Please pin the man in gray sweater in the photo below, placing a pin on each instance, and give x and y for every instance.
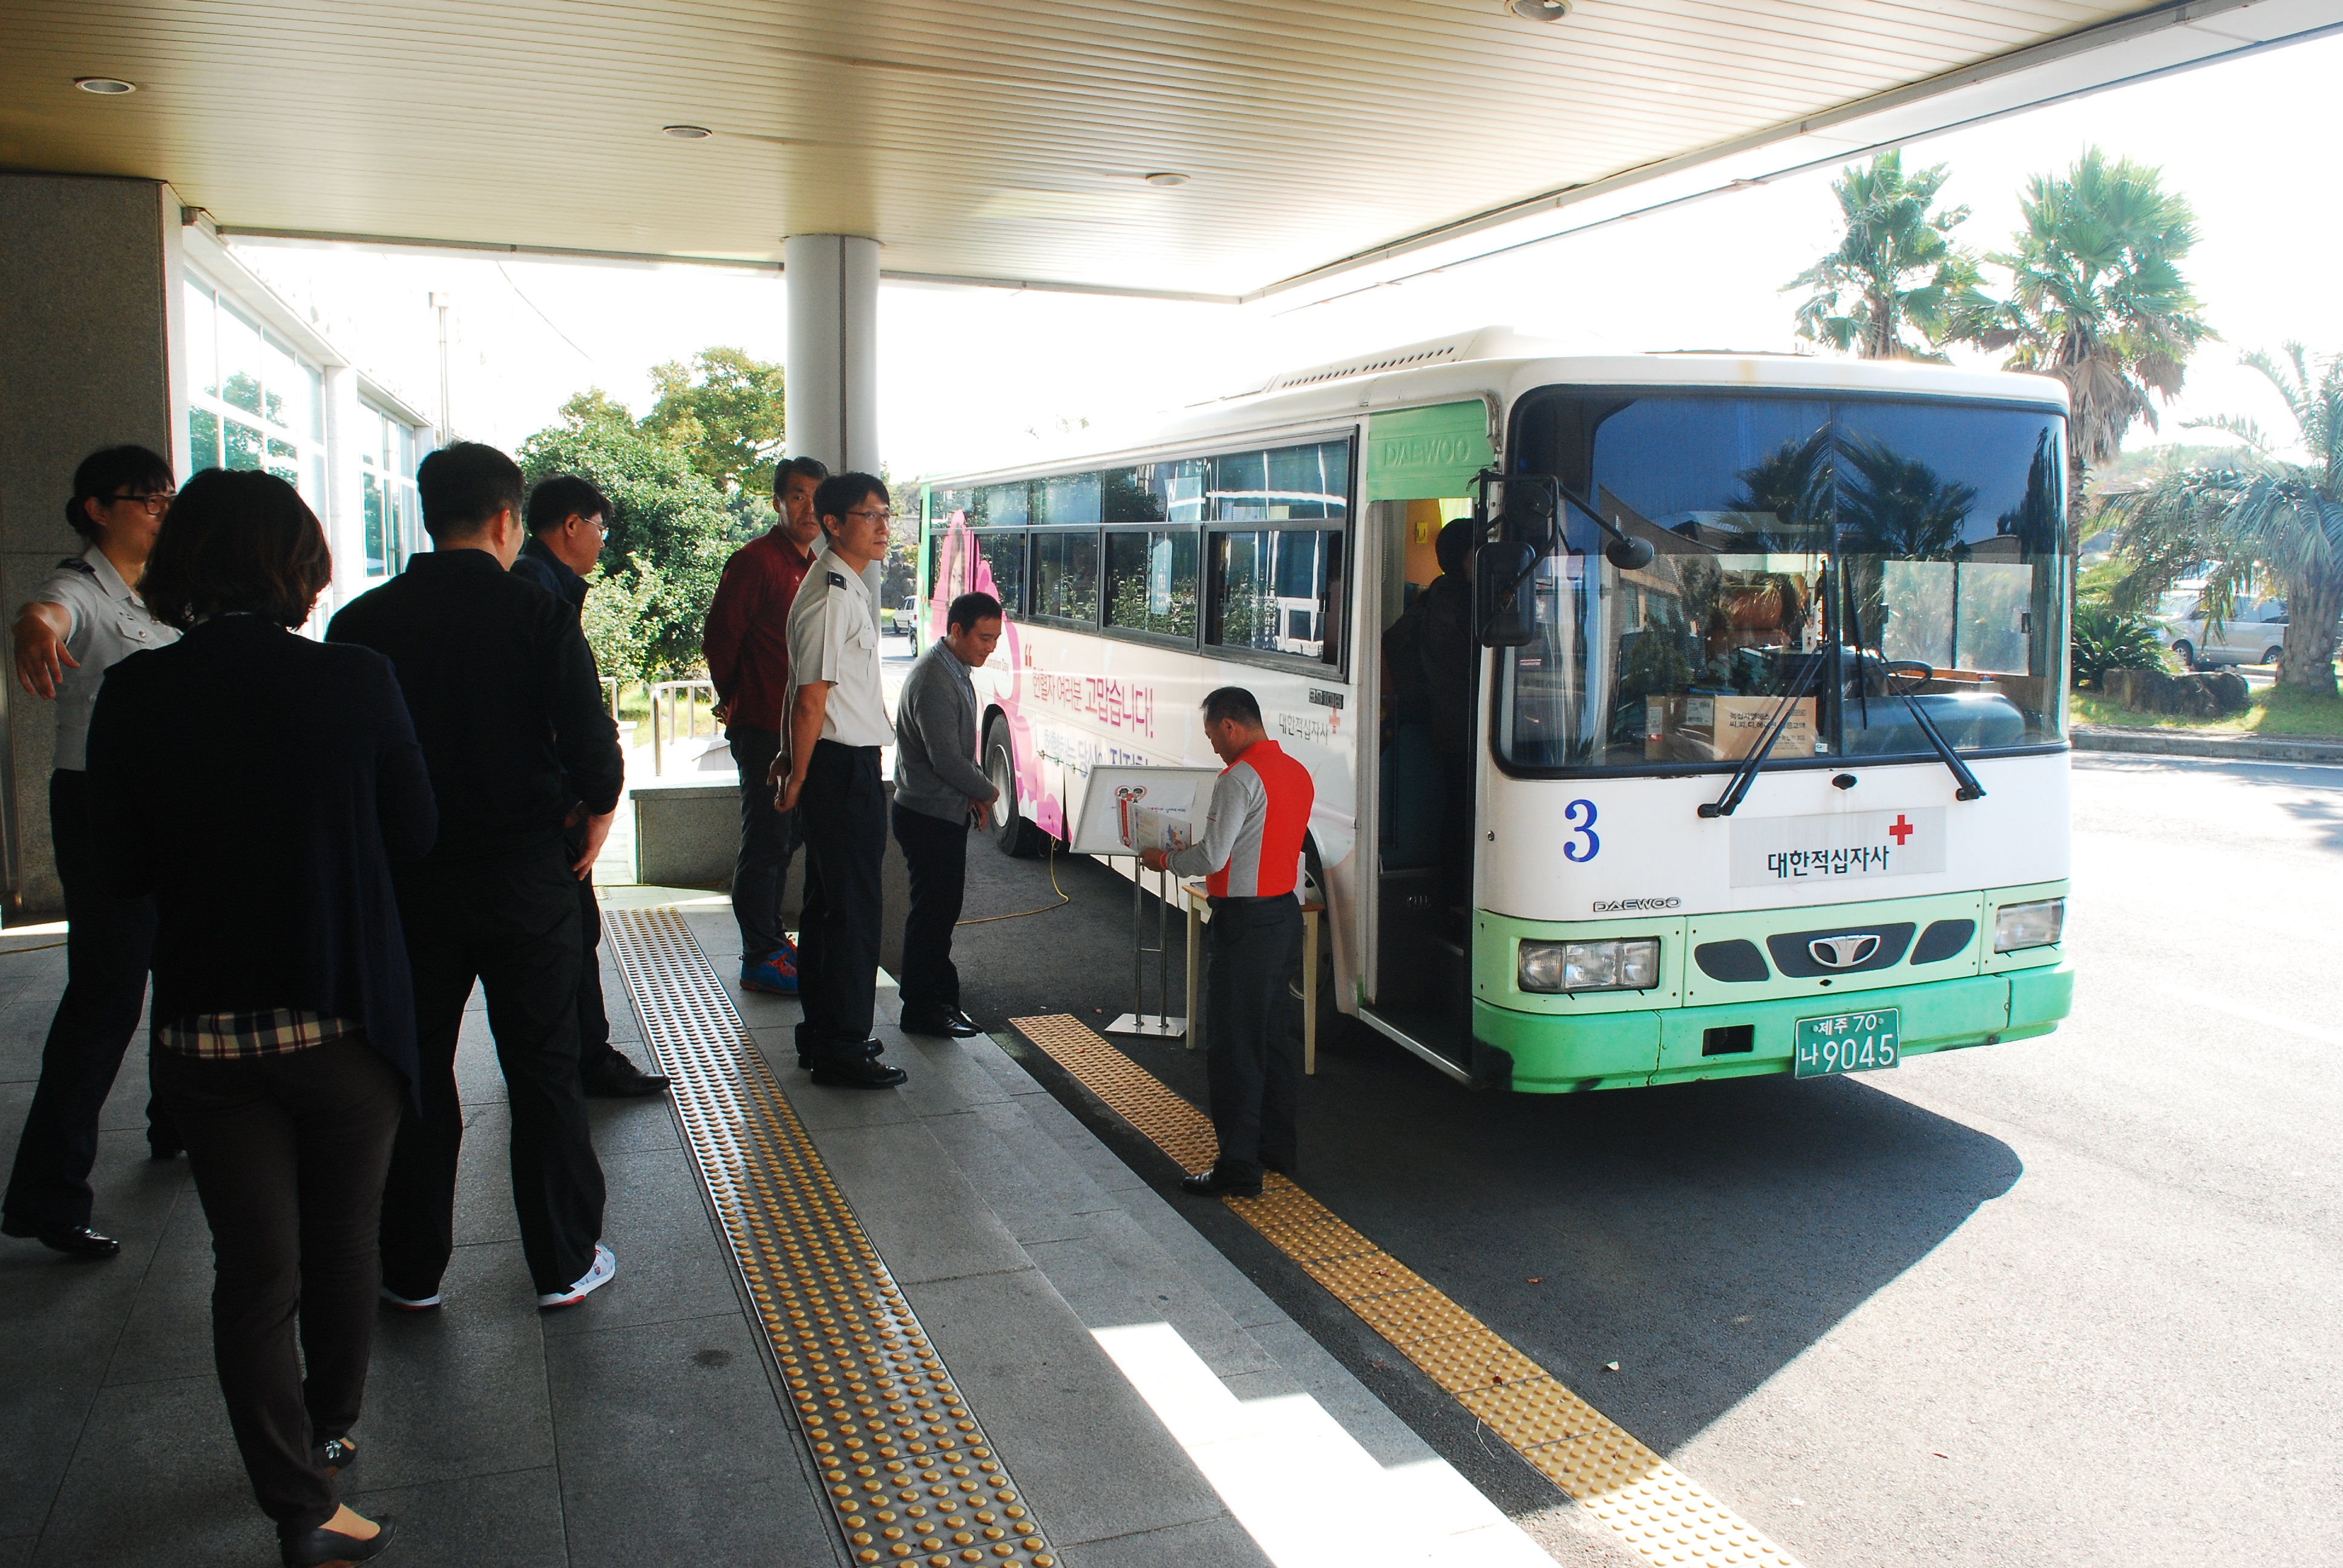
(938, 790)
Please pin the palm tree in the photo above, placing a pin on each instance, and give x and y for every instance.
(1894, 269)
(2262, 518)
(2098, 300)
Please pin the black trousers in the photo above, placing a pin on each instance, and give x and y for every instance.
(595, 1050)
(844, 814)
(289, 1153)
(511, 924)
(1253, 1071)
(109, 943)
(935, 853)
(767, 839)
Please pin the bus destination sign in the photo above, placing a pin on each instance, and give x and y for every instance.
(1768, 851)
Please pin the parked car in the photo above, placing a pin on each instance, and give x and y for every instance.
(907, 616)
(2252, 636)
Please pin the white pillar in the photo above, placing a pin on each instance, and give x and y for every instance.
(833, 349)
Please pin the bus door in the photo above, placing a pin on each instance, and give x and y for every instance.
(1423, 773)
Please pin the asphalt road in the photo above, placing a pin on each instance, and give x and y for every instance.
(2069, 1300)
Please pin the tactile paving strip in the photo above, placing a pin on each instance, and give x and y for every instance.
(904, 1460)
(1653, 1507)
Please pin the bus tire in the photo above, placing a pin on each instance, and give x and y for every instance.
(1012, 833)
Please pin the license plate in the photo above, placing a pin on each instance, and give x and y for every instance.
(1849, 1042)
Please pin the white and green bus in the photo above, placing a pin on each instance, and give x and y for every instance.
(1757, 757)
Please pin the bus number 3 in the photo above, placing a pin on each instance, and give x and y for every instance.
(1583, 829)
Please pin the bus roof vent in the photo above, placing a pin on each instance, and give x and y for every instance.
(1483, 343)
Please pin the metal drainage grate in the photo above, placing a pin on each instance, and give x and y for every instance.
(904, 1460)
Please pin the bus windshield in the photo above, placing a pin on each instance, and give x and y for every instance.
(1857, 551)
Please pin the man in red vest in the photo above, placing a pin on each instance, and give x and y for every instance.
(1251, 858)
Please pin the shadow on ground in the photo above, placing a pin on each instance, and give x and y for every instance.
(1701, 1236)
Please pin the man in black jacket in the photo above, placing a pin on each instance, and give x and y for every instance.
(509, 714)
(567, 519)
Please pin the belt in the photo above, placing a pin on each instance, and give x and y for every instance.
(1238, 903)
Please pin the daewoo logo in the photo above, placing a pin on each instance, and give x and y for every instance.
(1633, 906)
(1842, 952)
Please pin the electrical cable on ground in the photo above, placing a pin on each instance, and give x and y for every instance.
(1064, 898)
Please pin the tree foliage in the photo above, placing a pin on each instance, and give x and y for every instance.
(2098, 300)
(2259, 519)
(726, 412)
(669, 534)
(1896, 271)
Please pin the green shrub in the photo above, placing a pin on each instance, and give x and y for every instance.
(2105, 640)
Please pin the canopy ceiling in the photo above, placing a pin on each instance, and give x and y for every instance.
(1008, 140)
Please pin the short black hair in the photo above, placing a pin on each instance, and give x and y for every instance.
(105, 473)
(969, 608)
(812, 469)
(465, 485)
(841, 493)
(1453, 548)
(242, 542)
(562, 497)
(1232, 702)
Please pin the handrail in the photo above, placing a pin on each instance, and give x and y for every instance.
(664, 698)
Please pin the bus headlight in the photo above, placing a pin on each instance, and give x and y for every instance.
(2033, 925)
(1632, 964)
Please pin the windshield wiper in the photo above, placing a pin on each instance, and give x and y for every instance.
(1775, 722)
(1969, 788)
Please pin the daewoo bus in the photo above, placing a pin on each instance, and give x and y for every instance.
(1768, 766)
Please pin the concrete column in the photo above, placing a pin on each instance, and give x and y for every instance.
(90, 269)
(833, 349)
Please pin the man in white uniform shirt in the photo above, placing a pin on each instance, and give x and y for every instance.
(836, 725)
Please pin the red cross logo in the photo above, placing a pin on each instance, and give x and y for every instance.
(1901, 830)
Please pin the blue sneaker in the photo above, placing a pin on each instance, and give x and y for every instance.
(776, 973)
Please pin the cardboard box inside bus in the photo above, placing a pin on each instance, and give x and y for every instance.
(1706, 727)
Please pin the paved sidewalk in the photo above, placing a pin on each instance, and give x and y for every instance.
(2156, 741)
(1155, 1407)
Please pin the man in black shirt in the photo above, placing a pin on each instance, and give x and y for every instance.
(509, 714)
(567, 520)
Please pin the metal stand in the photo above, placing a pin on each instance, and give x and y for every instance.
(1161, 1026)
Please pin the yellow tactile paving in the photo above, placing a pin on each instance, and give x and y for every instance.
(904, 1460)
(1655, 1508)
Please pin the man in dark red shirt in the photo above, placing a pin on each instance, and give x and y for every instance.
(747, 643)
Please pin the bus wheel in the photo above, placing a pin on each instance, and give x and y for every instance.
(1011, 830)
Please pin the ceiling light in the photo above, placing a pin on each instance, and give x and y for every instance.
(687, 133)
(107, 87)
(1539, 10)
(1166, 178)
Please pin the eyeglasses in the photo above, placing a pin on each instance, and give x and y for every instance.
(154, 504)
(882, 515)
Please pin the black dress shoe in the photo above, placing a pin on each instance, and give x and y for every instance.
(949, 1021)
(323, 1548)
(858, 1072)
(73, 1241)
(1218, 1184)
(620, 1078)
(869, 1048)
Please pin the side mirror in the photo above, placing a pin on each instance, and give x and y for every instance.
(1504, 610)
(1629, 555)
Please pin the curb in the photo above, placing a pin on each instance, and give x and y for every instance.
(2180, 743)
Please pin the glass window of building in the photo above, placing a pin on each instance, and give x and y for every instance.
(252, 401)
(394, 512)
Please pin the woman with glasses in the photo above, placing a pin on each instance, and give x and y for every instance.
(284, 1038)
(83, 620)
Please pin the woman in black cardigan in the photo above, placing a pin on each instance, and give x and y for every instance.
(259, 785)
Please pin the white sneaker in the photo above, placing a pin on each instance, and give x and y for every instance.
(408, 1303)
(605, 1269)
